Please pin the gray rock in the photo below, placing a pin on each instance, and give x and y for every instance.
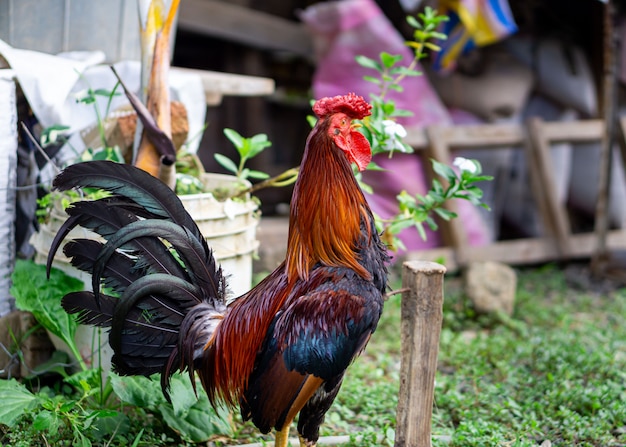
(491, 287)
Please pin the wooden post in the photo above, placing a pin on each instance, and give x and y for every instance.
(422, 314)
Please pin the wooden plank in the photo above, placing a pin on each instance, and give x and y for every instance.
(470, 136)
(520, 251)
(245, 26)
(552, 211)
(621, 138)
(560, 243)
(483, 136)
(218, 84)
(573, 131)
(503, 135)
(422, 315)
(416, 137)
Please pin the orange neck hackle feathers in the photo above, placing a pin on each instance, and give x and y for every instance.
(328, 205)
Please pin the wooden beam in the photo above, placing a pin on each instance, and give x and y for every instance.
(470, 136)
(422, 314)
(245, 26)
(218, 84)
(573, 131)
(484, 136)
(553, 213)
(519, 251)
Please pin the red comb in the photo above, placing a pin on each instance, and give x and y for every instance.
(351, 104)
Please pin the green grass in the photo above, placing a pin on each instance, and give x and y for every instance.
(556, 371)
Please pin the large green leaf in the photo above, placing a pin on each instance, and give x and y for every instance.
(191, 416)
(36, 294)
(137, 390)
(226, 163)
(199, 422)
(182, 394)
(234, 138)
(16, 399)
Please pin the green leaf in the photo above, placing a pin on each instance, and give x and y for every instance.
(437, 35)
(108, 423)
(16, 400)
(257, 144)
(258, 175)
(475, 191)
(235, 138)
(86, 380)
(389, 60)
(445, 214)
(57, 364)
(106, 93)
(367, 62)
(226, 163)
(399, 225)
(401, 113)
(372, 79)
(443, 170)
(34, 293)
(413, 22)
(52, 134)
(137, 390)
(405, 71)
(420, 230)
(47, 421)
(182, 394)
(199, 423)
(431, 223)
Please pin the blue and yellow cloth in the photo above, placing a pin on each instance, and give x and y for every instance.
(472, 23)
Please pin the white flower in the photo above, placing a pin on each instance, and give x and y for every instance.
(394, 129)
(465, 164)
(394, 133)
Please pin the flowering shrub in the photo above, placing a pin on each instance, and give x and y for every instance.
(385, 134)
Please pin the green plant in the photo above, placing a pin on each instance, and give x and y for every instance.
(57, 134)
(41, 296)
(89, 97)
(386, 136)
(417, 209)
(89, 407)
(248, 148)
(383, 133)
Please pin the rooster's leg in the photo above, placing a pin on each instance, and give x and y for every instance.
(305, 443)
(308, 388)
(282, 437)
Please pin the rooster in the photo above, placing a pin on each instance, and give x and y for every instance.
(278, 351)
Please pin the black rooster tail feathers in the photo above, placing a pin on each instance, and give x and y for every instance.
(199, 325)
(130, 182)
(163, 293)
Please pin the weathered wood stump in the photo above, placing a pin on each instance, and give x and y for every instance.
(422, 314)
